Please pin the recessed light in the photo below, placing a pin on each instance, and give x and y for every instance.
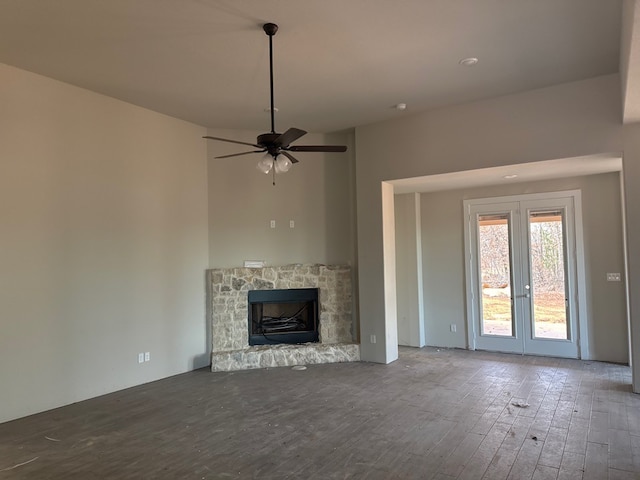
(510, 176)
(468, 62)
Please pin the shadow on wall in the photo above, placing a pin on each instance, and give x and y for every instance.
(340, 213)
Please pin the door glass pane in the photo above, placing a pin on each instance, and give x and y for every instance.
(549, 313)
(495, 275)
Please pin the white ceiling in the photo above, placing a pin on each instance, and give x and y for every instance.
(338, 63)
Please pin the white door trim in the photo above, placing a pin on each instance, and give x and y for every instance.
(582, 312)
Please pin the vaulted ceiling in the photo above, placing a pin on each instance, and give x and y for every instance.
(338, 63)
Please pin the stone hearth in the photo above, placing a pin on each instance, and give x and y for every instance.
(228, 290)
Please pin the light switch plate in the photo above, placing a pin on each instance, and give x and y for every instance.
(613, 277)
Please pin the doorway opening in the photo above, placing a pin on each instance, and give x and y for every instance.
(445, 288)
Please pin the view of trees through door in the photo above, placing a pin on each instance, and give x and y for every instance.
(547, 269)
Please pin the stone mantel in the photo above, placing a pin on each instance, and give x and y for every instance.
(228, 290)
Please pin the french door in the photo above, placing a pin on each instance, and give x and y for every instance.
(522, 275)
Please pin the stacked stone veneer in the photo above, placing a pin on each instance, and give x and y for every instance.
(228, 290)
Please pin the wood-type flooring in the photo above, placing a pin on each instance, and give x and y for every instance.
(434, 414)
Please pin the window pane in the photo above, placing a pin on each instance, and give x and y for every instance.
(495, 275)
(547, 274)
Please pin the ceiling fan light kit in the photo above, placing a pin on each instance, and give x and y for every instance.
(280, 164)
(265, 164)
(277, 146)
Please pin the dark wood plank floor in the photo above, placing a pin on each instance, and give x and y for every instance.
(433, 414)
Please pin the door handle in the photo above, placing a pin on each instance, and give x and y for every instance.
(527, 293)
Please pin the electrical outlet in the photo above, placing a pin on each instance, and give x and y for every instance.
(147, 356)
(140, 357)
(292, 224)
(613, 277)
(454, 328)
(373, 338)
(272, 224)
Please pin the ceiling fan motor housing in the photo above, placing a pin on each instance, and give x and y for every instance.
(267, 140)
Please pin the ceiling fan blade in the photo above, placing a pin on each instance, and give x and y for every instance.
(289, 156)
(238, 154)
(289, 136)
(231, 141)
(317, 148)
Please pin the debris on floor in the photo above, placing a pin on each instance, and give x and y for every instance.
(19, 465)
(520, 404)
(298, 367)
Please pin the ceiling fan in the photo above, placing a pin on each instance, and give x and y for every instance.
(277, 146)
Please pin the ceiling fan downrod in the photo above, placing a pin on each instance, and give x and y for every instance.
(270, 29)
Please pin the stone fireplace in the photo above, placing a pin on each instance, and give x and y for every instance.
(229, 312)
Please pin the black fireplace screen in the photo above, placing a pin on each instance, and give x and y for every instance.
(283, 316)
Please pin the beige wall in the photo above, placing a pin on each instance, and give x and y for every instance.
(316, 193)
(444, 277)
(103, 244)
(410, 303)
(562, 121)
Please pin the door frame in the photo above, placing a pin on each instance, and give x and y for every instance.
(581, 311)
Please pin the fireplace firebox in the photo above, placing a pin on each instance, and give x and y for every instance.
(283, 316)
